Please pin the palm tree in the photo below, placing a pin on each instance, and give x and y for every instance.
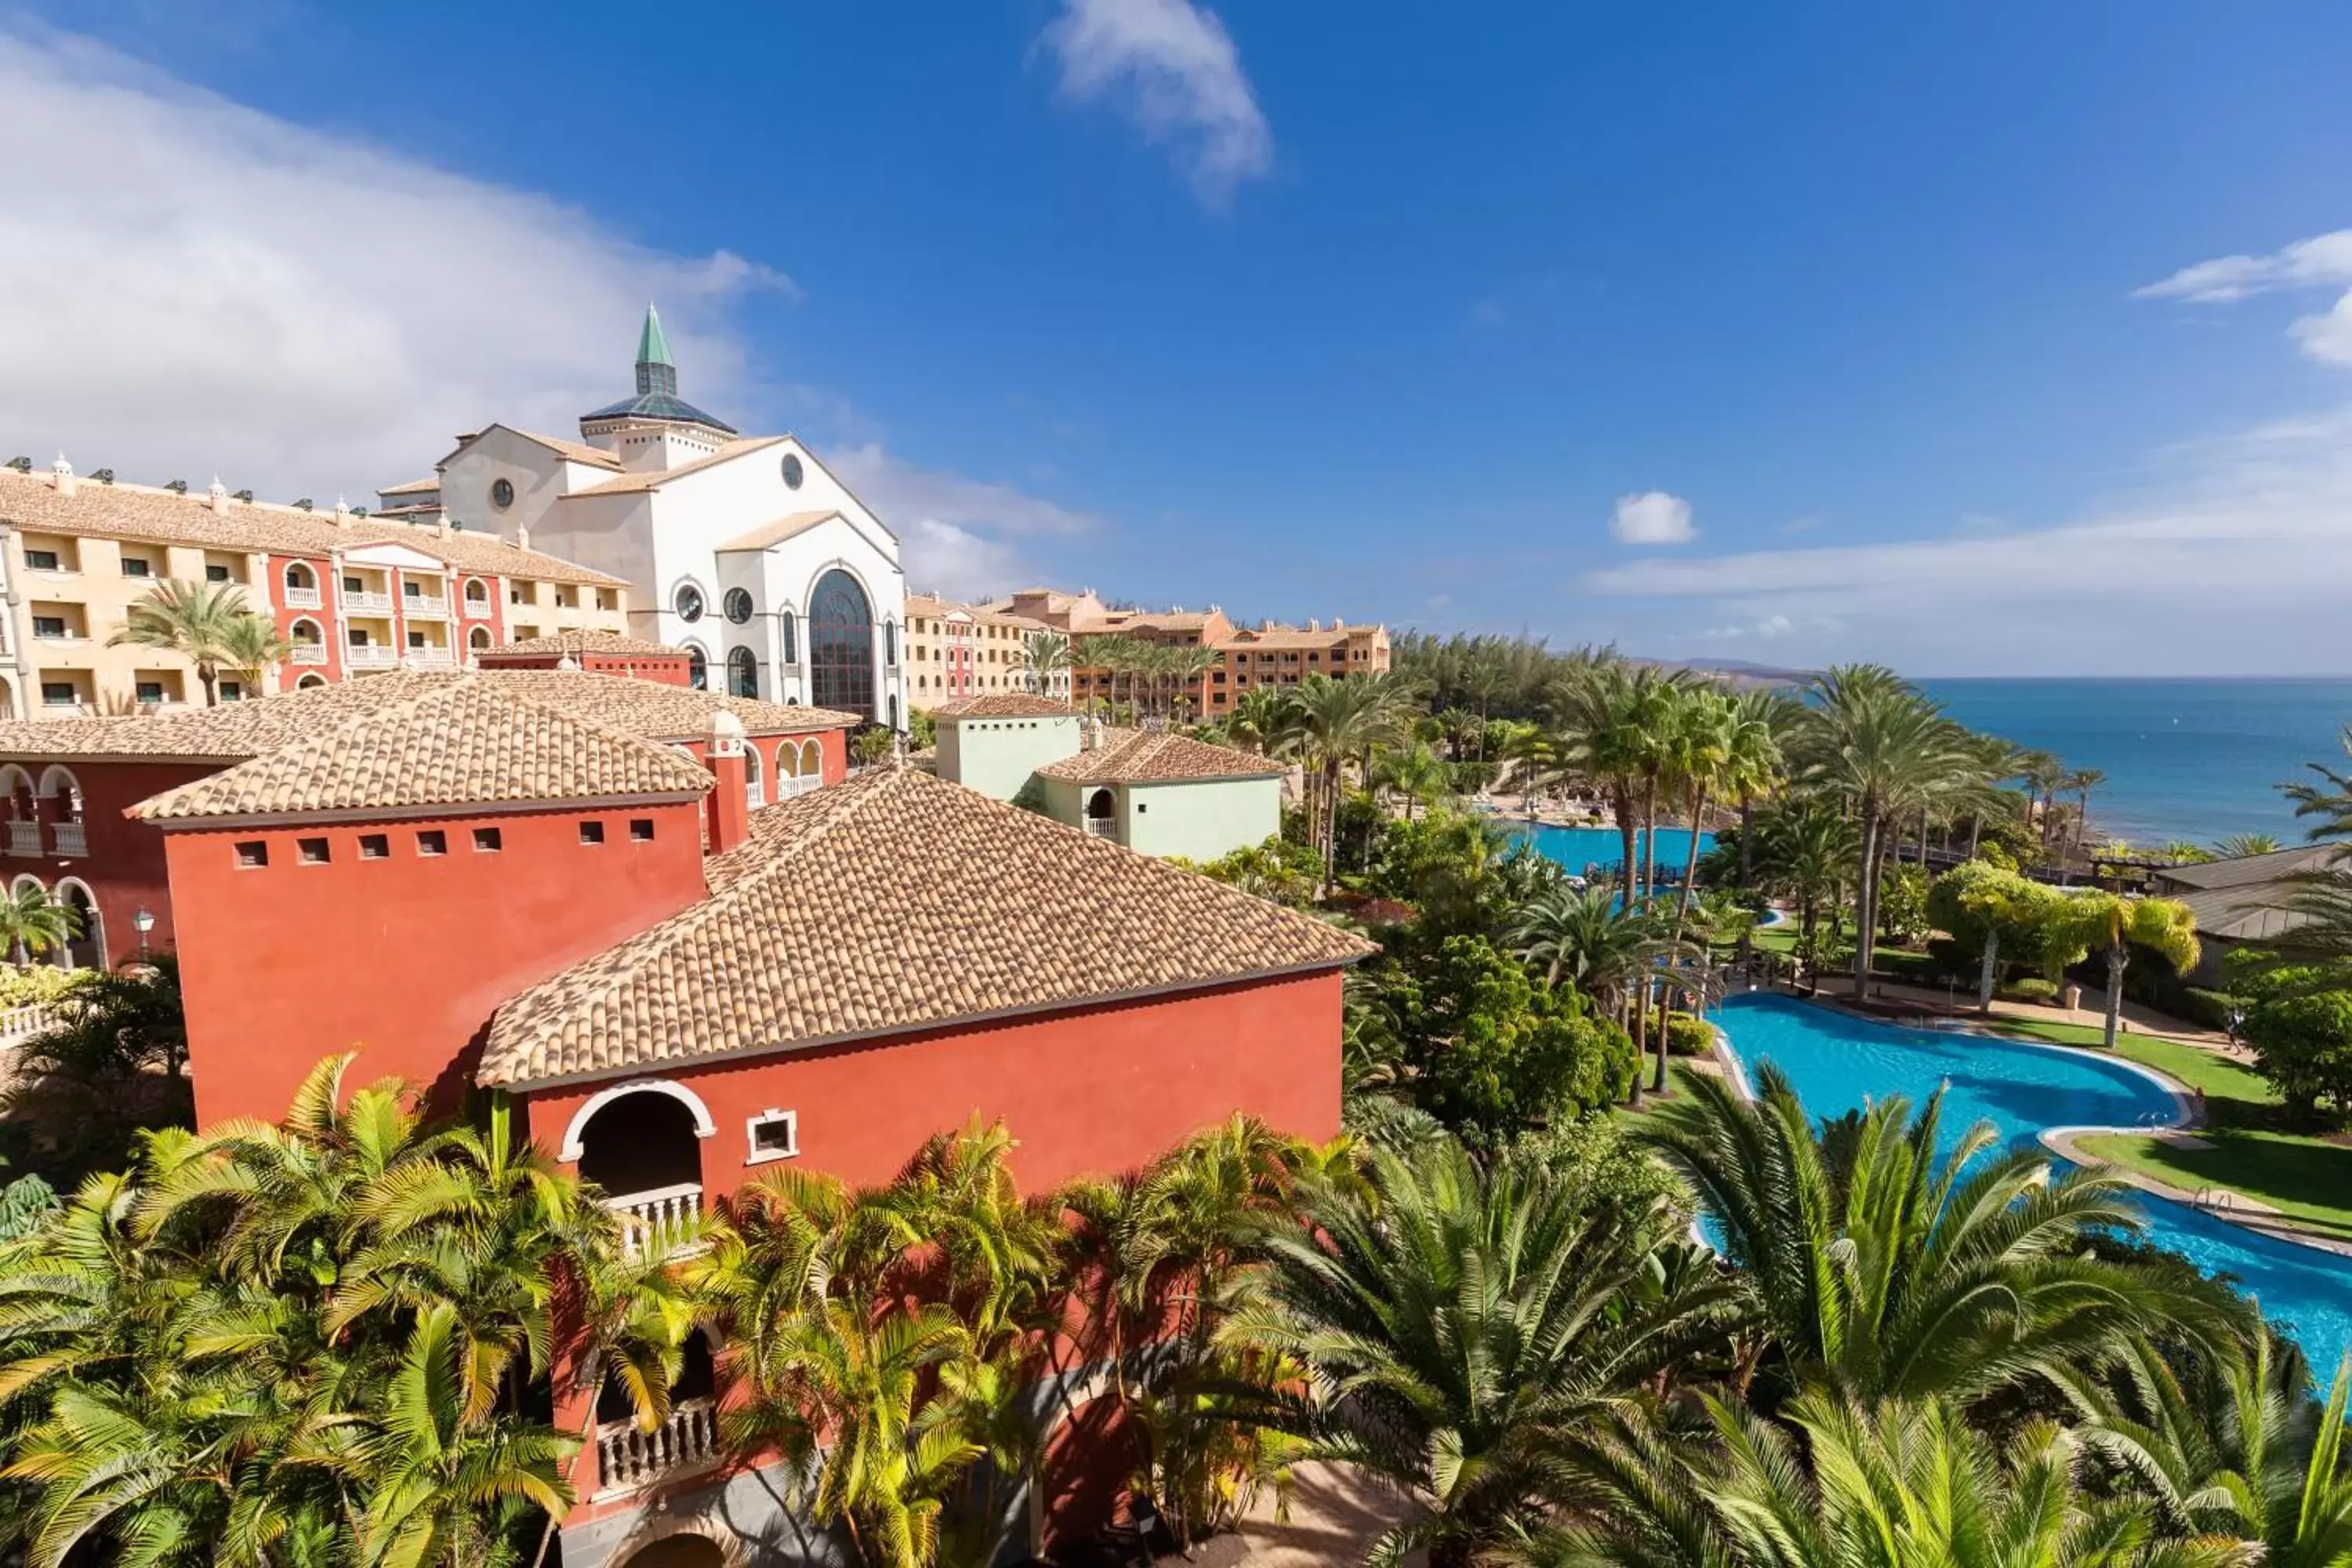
(1877, 744)
(197, 621)
(2043, 774)
(1805, 852)
(2083, 781)
(1186, 665)
(1887, 1267)
(1456, 1326)
(251, 645)
(1327, 723)
(2228, 1445)
(2239, 845)
(1256, 720)
(1862, 1484)
(1768, 718)
(1586, 937)
(1415, 772)
(113, 1061)
(2114, 923)
(1045, 661)
(33, 924)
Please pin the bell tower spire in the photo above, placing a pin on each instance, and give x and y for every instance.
(655, 371)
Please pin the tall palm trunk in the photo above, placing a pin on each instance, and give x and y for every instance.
(1747, 841)
(1621, 800)
(2118, 955)
(1865, 898)
(1991, 968)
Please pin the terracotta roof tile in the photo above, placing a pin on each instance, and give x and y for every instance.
(588, 642)
(1142, 756)
(894, 902)
(1003, 705)
(140, 512)
(466, 743)
(644, 708)
(571, 451)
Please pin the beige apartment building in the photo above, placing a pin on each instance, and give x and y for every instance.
(353, 594)
(955, 651)
(1269, 654)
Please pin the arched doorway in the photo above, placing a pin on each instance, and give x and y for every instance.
(86, 948)
(697, 668)
(641, 1144)
(752, 784)
(841, 645)
(1102, 814)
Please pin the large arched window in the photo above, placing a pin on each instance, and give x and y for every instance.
(841, 646)
(697, 668)
(788, 634)
(742, 672)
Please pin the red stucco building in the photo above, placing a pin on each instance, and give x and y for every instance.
(686, 945)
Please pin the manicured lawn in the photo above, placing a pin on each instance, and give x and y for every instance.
(2304, 1177)
(1678, 1077)
(2233, 1092)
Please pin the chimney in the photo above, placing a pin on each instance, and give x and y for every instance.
(522, 536)
(1313, 625)
(342, 513)
(731, 812)
(217, 495)
(441, 522)
(62, 475)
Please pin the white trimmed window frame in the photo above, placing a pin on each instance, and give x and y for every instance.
(755, 1155)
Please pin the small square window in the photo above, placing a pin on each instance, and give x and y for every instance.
(773, 1135)
(375, 846)
(641, 829)
(57, 694)
(49, 626)
(215, 573)
(252, 853)
(133, 566)
(431, 841)
(40, 560)
(416, 640)
(148, 690)
(486, 839)
(231, 691)
(591, 833)
(355, 586)
(312, 851)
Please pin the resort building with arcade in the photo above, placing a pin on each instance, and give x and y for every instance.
(690, 946)
(745, 552)
(353, 595)
(1154, 791)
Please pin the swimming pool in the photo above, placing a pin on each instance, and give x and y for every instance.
(1837, 1063)
(1577, 848)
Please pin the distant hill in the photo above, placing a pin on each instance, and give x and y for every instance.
(1739, 671)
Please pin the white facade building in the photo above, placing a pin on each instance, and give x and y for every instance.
(746, 552)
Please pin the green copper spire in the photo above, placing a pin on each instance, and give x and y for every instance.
(655, 371)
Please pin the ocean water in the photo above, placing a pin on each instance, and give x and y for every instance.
(1839, 1063)
(2186, 759)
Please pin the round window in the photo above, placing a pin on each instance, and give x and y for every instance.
(739, 606)
(792, 472)
(502, 493)
(689, 602)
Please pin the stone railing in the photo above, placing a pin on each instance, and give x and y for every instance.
(1103, 827)
(430, 659)
(308, 653)
(362, 604)
(477, 609)
(73, 838)
(628, 1459)
(18, 1025)
(659, 1216)
(753, 796)
(789, 786)
(25, 838)
(302, 598)
(425, 608)
(370, 655)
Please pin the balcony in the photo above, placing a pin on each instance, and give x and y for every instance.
(751, 795)
(659, 1217)
(73, 838)
(431, 658)
(477, 609)
(25, 838)
(362, 603)
(368, 656)
(422, 608)
(308, 653)
(628, 1459)
(1103, 827)
(788, 787)
(301, 598)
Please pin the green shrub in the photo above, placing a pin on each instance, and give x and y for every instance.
(1688, 1036)
(2209, 1009)
(42, 982)
(2033, 988)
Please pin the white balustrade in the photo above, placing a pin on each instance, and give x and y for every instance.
(370, 655)
(424, 608)
(789, 786)
(751, 795)
(430, 659)
(628, 1459)
(302, 598)
(1102, 828)
(18, 1025)
(356, 603)
(72, 838)
(308, 653)
(658, 1217)
(477, 609)
(25, 838)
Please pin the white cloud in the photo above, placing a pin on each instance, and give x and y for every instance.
(196, 287)
(948, 525)
(1172, 69)
(2322, 261)
(2238, 561)
(1654, 517)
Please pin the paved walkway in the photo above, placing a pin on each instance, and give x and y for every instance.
(1334, 1516)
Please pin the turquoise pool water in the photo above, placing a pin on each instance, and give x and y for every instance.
(1838, 1063)
(1577, 848)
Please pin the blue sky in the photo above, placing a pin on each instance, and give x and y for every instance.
(1790, 334)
